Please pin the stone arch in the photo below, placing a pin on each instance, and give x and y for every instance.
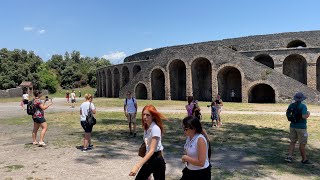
(109, 83)
(296, 43)
(318, 73)
(177, 74)
(135, 70)
(261, 93)
(116, 82)
(230, 78)
(158, 84)
(125, 75)
(103, 87)
(201, 79)
(295, 66)
(141, 91)
(265, 59)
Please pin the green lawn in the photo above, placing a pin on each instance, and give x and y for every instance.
(260, 137)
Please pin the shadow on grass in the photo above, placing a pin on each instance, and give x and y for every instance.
(248, 151)
(238, 150)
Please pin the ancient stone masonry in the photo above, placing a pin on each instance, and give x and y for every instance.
(258, 69)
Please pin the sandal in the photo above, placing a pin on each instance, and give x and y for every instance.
(42, 144)
(35, 143)
(306, 161)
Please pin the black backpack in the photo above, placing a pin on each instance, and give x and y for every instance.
(31, 108)
(293, 113)
(127, 100)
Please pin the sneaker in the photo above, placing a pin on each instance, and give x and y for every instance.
(42, 144)
(130, 134)
(90, 147)
(134, 134)
(306, 161)
(84, 149)
(288, 159)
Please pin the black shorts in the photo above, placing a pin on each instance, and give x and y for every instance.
(39, 120)
(73, 100)
(25, 101)
(86, 127)
(204, 174)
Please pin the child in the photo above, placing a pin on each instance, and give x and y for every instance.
(214, 114)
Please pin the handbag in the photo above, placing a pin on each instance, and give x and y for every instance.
(90, 119)
(142, 150)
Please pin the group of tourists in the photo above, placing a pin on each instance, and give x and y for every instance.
(197, 150)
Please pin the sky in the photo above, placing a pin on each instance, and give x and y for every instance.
(114, 29)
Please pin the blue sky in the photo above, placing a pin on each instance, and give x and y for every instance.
(119, 28)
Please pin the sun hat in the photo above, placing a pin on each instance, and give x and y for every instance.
(299, 96)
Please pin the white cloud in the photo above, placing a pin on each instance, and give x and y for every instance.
(115, 57)
(28, 28)
(146, 49)
(42, 31)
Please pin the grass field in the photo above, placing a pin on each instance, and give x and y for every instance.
(262, 138)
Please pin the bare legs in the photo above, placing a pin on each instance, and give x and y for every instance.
(44, 127)
(302, 148)
(86, 140)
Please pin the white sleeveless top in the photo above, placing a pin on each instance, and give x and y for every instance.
(191, 149)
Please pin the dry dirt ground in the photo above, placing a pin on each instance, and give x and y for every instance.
(21, 160)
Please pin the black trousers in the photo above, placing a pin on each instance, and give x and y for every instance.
(203, 174)
(154, 165)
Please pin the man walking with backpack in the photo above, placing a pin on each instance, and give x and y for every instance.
(130, 111)
(297, 113)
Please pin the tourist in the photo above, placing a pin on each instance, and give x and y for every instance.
(197, 151)
(219, 105)
(84, 108)
(67, 96)
(153, 161)
(73, 98)
(38, 118)
(25, 99)
(130, 108)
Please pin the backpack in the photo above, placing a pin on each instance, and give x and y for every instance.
(31, 109)
(293, 114)
(90, 119)
(196, 111)
(127, 100)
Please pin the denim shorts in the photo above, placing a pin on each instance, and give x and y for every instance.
(39, 120)
(86, 127)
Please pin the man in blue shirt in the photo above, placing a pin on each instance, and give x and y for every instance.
(298, 130)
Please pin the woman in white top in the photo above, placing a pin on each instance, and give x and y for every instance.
(25, 99)
(197, 151)
(152, 162)
(86, 127)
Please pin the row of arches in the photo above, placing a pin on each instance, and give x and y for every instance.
(294, 66)
(113, 78)
(293, 44)
(228, 78)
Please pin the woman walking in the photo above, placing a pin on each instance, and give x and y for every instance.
(38, 118)
(152, 162)
(197, 151)
(84, 108)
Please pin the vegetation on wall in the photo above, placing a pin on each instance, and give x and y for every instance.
(67, 71)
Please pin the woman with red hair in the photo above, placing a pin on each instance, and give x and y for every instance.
(152, 162)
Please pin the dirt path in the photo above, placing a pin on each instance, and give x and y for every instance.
(21, 160)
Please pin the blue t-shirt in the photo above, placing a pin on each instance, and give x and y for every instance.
(301, 124)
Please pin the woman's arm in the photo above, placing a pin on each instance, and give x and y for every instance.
(202, 154)
(44, 106)
(136, 167)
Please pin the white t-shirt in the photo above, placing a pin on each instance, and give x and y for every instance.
(153, 131)
(84, 110)
(73, 95)
(191, 148)
(130, 105)
(25, 96)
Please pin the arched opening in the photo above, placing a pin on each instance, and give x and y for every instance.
(177, 70)
(295, 66)
(136, 69)
(141, 91)
(103, 88)
(296, 44)
(318, 74)
(261, 93)
(265, 59)
(109, 82)
(125, 75)
(201, 79)
(229, 79)
(116, 82)
(158, 84)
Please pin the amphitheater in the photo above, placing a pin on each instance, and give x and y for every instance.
(259, 69)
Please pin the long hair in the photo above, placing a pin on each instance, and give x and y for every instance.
(192, 122)
(157, 117)
(37, 93)
(190, 99)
